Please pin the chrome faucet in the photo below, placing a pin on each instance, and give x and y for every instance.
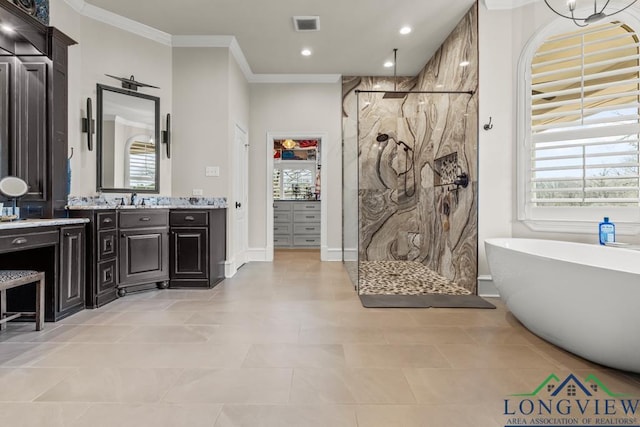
(134, 199)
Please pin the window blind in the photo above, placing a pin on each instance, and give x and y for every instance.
(585, 91)
(142, 165)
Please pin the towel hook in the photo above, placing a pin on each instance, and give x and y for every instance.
(488, 126)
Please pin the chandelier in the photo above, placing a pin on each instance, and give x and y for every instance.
(588, 13)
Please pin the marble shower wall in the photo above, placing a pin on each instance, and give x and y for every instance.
(406, 208)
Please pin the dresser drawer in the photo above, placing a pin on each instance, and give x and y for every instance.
(23, 240)
(188, 218)
(308, 206)
(281, 241)
(306, 217)
(306, 240)
(145, 218)
(106, 276)
(105, 220)
(281, 228)
(106, 244)
(281, 216)
(306, 228)
(282, 206)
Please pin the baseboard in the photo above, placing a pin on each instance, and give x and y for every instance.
(486, 288)
(230, 268)
(257, 254)
(330, 254)
(351, 254)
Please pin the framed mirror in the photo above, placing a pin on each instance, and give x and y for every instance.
(128, 141)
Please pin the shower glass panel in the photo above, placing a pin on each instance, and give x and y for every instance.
(410, 192)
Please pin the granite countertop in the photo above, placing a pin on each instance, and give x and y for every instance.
(155, 202)
(131, 207)
(296, 200)
(31, 223)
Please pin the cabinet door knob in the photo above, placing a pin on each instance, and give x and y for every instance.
(107, 220)
(189, 218)
(145, 218)
(123, 235)
(238, 205)
(19, 241)
(67, 234)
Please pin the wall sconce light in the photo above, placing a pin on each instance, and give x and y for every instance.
(166, 136)
(89, 125)
(288, 144)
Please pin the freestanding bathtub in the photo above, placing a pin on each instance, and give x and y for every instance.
(583, 298)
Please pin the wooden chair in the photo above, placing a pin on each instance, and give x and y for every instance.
(14, 278)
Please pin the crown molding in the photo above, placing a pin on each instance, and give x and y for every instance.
(167, 39)
(506, 4)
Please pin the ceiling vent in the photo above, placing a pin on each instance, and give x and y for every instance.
(306, 23)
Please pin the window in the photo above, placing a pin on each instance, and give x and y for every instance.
(291, 182)
(581, 157)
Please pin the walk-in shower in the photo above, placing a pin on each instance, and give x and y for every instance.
(410, 174)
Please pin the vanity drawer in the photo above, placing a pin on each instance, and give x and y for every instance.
(309, 228)
(188, 218)
(281, 216)
(29, 240)
(281, 206)
(306, 240)
(105, 220)
(144, 218)
(309, 206)
(281, 228)
(106, 244)
(106, 276)
(306, 217)
(279, 241)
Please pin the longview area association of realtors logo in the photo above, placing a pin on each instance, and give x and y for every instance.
(571, 402)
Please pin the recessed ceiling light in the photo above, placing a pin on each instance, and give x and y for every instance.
(6, 28)
(405, 30)
(464, 63)
(388, 64)
(305, 52)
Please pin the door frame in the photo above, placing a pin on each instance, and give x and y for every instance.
(323, 137)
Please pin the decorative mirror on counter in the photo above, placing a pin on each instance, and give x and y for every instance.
(128, 136)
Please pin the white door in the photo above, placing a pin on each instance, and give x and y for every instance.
(240, 197)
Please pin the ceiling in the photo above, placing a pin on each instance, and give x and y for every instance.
(356, 37)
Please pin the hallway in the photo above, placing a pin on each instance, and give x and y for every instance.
(281, 344)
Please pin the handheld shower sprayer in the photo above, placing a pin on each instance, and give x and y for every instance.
(382, 137)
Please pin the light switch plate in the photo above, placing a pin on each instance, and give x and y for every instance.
(197, 192)
(212, 171)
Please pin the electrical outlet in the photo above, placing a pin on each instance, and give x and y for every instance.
(197, 192)
(212, 171)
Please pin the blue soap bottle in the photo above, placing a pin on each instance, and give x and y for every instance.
(607, 231)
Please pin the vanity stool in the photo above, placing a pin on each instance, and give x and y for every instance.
(14, 278)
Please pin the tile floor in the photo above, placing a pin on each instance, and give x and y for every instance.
(282, 344)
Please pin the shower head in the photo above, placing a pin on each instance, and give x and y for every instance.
(383, 137)
(394, 95)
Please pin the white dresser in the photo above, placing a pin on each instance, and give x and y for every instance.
(296, 223)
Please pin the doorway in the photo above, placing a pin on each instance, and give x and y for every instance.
(296, 208)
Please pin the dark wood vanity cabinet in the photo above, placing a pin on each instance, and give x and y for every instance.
(71, 287)
(143, 248)
(33, 116)
(57, 251)
(198, 240)
(101, 256)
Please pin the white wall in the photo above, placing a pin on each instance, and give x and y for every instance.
(103, 49)
(297, 109)
(200, 120)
